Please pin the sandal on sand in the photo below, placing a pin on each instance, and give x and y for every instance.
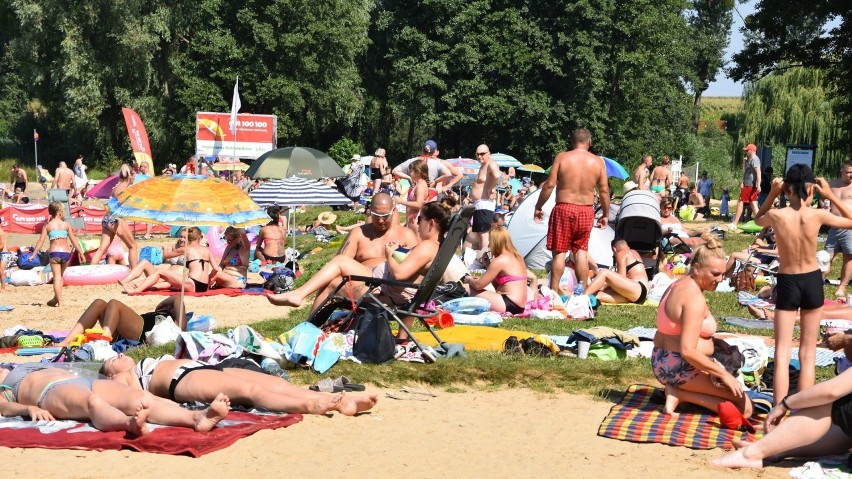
(405, 396)
(326, 385)
(345, 385)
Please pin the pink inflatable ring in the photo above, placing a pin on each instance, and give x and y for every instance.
(95, 274)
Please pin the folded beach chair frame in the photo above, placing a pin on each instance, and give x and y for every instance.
(417, 307)
(767, 270)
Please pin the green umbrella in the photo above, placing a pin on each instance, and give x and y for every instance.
(298, 161)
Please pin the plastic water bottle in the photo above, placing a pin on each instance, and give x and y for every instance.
(579, 289)
(272, 367)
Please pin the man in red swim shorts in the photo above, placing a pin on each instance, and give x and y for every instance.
(575, 175)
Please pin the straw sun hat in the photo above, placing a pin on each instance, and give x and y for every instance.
(327, 218)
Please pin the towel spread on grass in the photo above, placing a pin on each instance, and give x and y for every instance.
(751, 323)
(252, 289)
(748, 299)
(639, 417)
(474, 338)
(17, 432)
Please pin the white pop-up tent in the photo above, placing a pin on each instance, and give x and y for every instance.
(530, 237)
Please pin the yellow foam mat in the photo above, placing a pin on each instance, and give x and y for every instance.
(474, 338)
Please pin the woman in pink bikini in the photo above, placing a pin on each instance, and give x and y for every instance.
(683, 345)
(507, 272)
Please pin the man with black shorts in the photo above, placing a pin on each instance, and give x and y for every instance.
(575, 175)
(481, 194)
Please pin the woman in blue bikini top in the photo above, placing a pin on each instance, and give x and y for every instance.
(59, 233)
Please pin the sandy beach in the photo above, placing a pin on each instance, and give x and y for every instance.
(463, 433)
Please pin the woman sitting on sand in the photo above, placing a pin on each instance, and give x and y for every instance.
(199, 264)
(61, 238)
(49, 391)
(683, 345)
(120, 321)
(232, 271)
(272, 238)
(174, 257)
(243, 381)
(820, 424)
(431, 225)
(507, 271)
(627, 283)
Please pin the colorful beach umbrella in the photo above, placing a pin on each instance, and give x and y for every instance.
(614, 169)
(187, 200)
(505, 161)
(306, 163)
(532, 168)
(229, 166)
(467, 166)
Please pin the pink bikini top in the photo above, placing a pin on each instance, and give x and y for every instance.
(666, 326)
(502, 279)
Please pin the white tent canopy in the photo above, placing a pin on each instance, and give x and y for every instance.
(530, 237)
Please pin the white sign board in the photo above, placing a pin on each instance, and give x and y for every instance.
(798, 156)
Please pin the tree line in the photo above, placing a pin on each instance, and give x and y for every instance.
(519, 75)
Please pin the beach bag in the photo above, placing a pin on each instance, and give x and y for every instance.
(744, 280)
(579, 307)
(729, 356)
(24, 262)
(280, 282)
(164, 331)
(374, 342)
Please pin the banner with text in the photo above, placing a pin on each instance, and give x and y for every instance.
(31, 219)
(255, 135)
(138, 137)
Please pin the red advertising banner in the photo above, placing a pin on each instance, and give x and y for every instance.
(31, 219)
(138, 137)
(255, 135)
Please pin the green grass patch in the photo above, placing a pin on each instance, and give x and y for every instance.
(494, 370)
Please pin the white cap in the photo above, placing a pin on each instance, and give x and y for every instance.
(824, 260)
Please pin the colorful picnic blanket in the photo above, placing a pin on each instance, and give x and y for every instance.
(746, 299)
(17, 432)
(639, 417)
(252, 289)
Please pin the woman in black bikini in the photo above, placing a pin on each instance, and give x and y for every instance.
(628, 283)
(272, 239)
(198, 259)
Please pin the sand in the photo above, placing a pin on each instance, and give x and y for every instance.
(464, 433)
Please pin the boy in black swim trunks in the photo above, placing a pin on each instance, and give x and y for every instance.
(799, 278)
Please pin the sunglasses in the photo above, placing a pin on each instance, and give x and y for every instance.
(380, 215)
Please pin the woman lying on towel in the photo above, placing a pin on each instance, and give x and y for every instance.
(507, 271)
(820, 424)
(431, 227)
(48, 391)
(683, 345)
(174, 259)
(243, 381)
(199, 263)
(627, 283)
(120, 321)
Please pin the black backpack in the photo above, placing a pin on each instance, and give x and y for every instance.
(374, 342)
(279, 283)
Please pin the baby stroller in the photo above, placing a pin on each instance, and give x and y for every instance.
(638, 223)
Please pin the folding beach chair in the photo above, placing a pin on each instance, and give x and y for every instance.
(417, 307)
(62, 197)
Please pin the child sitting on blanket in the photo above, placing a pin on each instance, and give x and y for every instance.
(799, 288)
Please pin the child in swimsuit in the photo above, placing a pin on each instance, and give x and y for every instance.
(233, 267)
(507, 272)
(59, 233)
(799, 289)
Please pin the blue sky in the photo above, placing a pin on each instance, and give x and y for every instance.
(724, 86)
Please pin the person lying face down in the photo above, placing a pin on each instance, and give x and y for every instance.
(49, 391)
(243, 381)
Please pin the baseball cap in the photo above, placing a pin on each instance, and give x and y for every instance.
(356, 158)
(750, 147)
(430, 146)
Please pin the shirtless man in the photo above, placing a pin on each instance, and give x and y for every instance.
(575, 174)
(367, 243)
(480, 194)
(19, 178)
(799, 279)
(63, 178)
(641, 176)
(379, 169)
(272, 238)
(840, 240)
(661, 178)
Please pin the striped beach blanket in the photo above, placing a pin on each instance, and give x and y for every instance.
(639, 417)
